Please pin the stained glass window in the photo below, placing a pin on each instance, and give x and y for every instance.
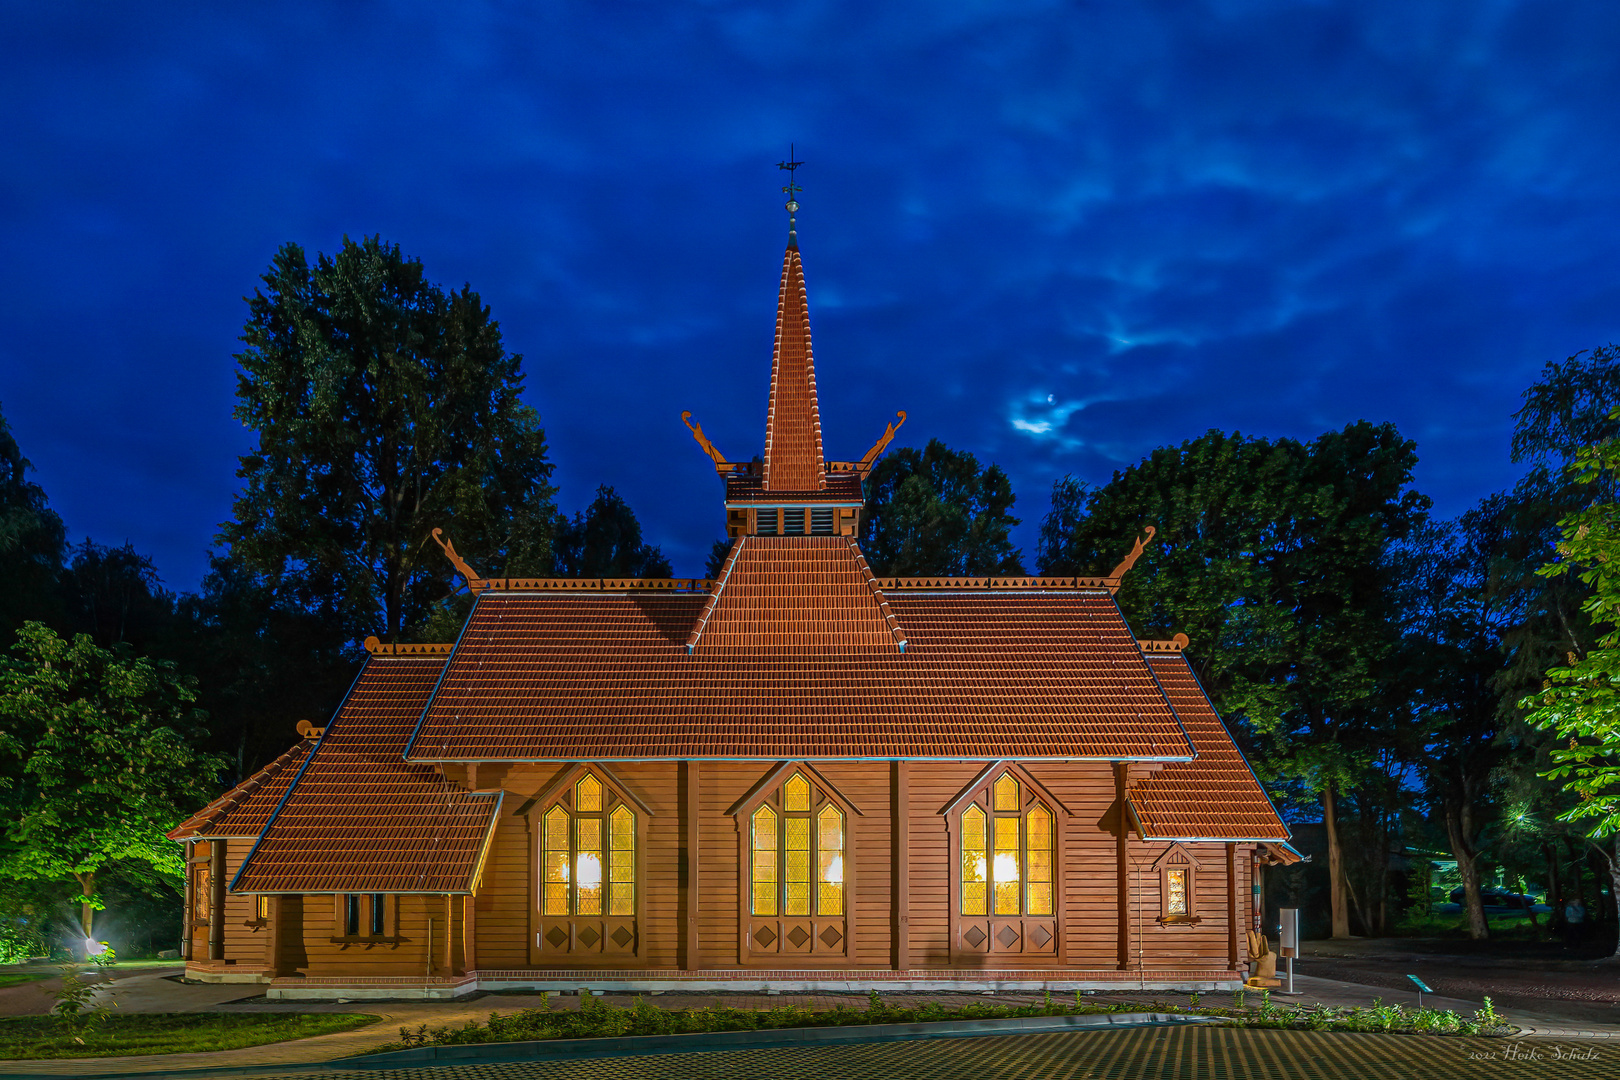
(765, 841)
(588, 866)
(588, 862)
(622, 864)
(1038, 847)
(830, 861)
(798, 853)
(974, 864)
(1005, 867)
(1007, 793)
(555, 856)
(798, 867)
(1008, 853)
(1175, 901)
(796, 794)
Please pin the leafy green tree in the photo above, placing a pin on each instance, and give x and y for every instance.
(384, 407)
(936, 511)
(1580, 700)
(32, 543)
(96, 762)
(604, 540)
(1270, 556)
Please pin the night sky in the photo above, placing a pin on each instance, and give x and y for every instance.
(1058, 235)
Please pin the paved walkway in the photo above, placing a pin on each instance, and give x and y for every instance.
(1189, 1052)
(158, 991)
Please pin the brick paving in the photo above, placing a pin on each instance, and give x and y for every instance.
(154, 992)
(1187, 1053)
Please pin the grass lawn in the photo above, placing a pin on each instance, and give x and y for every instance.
(35, 1037)
(13, 974)
(28, 975)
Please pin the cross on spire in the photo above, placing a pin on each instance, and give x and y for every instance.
(790, 191)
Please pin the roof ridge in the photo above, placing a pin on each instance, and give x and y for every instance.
(714, 595)
(877, 593)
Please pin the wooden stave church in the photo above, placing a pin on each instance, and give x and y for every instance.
(795, 776)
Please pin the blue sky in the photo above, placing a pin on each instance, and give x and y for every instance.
(1057, 234)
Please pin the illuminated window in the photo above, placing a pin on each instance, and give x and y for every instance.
(201, 901)
(261, 907)
(1175, 892)
(588, 856)
(1006, 856)
(797, 853)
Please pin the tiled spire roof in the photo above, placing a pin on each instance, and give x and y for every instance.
(793, 458)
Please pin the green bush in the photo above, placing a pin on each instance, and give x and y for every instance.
(596, 1018)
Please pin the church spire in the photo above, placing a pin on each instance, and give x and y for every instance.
(793, 457)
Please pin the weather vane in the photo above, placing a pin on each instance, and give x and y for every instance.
(790, 165)
(792, 206)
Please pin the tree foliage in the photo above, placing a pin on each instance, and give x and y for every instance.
(96, 760)
(1270, 556)
(384, 407)
(32, 542)
(936, 511)
(1580, 700)
(1571, 407)
(604, 540)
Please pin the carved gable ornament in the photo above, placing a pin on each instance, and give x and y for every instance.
(1176, 855)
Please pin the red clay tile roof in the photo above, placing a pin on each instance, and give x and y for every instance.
(801, 594)
(985, 674)
(1214, 797)
(793, 422)
(360, 819)
(243, 810)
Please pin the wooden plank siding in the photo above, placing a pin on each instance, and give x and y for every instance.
(495, 929)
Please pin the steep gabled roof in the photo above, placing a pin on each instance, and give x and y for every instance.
(1028, 673)
(804, 594)
(793, 458)
(243, 810)
(360, 819)
(1216, 796)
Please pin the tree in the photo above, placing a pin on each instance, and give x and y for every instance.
(716, 561)
(1572, 406)
(261, 662)
(1270, 557)
(604, 540)
(115, 596)
(384, 407)
(97, 762)
(1580, 699)
(32, 542)
(1457, 610)
(935, 511)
